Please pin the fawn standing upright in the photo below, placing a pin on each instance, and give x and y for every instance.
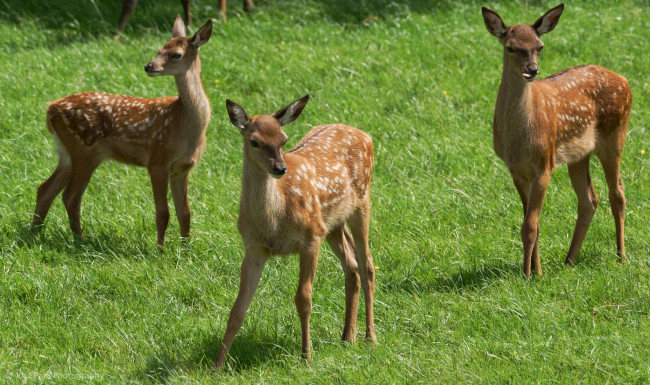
(166, 135)
(291, 202)
(564, 118)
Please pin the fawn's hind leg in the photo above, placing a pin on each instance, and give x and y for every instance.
(359, 224)
(587, 203)
(48, 190)
(342, 245)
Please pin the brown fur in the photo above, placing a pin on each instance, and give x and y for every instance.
(166, 135)
(541, 124)
(324, 183)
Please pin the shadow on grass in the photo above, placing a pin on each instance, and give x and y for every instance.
(70, 21)
(93, 17)
(492, 271)
(476, 278)
(246, 352)
(465, 279)
(57, 245)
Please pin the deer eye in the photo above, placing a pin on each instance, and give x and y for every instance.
(255, 143)
(176, 55)
(510, 49)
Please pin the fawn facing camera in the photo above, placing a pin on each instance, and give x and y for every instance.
(564, 118)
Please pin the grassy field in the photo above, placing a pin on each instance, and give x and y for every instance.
(421, 78)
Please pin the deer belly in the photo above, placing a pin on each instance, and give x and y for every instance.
(129, 153)
(574, 144)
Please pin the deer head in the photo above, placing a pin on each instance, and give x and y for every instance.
(521, 43)
(263, 135)
(179, 53)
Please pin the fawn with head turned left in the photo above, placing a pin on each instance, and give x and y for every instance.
(291, 202)
(166, 135)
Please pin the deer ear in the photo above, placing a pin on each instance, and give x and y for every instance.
(202, 35)
(548, 22)
(494, 23)
(237, 115)
(179, 27)
(291, 112)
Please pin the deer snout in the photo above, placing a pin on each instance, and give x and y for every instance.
(278, 170)
(530, 72)
(150, 69)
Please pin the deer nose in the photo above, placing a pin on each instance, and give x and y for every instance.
(278, 171)
(281, 170)
(148, 67)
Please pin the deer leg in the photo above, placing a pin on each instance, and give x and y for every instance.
(179, 184)
(248, 5)
(188, 12)
(522, 188)
(587, 203)
(308, 262)
(47, 191)
(611, 166)
(359, 224)
(222, 9)
(74, 192)
(159, 181)
(251, 271)
(342, 245)
(127, 8)
(530, 227)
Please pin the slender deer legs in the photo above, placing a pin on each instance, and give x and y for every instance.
(359, 225)
(81, 174)
(308, 262)
(159, 180)
(611, 162)
(48, 191)
(530, 227)
(179, 185)
(523, 187)
(342, 245)
(587, 203)
(248, 7)
(251, 271)
(129, 5)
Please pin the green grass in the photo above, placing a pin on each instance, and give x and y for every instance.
(420, 77)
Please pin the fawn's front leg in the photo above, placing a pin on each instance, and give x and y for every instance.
(530, 227)
(523, 187)
(159, 180)
(308, 262)
(179, 185)
(251, 271)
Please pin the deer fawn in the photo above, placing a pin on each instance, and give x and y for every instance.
(541, 124)
(290, 202)
(166, 135)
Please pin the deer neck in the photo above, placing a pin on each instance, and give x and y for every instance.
(514, 100)
(195, 105)
(261, 201)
